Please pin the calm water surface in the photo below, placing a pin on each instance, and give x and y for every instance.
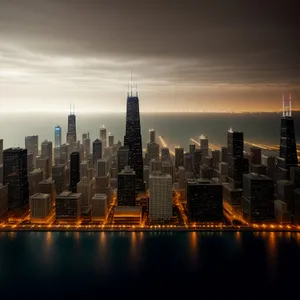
(141, 265)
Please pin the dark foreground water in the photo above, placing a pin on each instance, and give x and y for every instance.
(144, 265)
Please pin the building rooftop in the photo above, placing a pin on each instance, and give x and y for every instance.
(40, 196)
(128, 211)
(159, 175)
(34, 171)
(256, 176)
(231, 188)
(198, 181)
(68, 194)
(47, 181)
(128, 171)
(100, 196)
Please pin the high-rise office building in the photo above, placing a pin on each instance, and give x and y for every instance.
(165, 154)
(204, 201)
(127, 187)
(71, 134)
(152, 151)
(111, 140)
(255, 155)
(179, 157)
(58, 175)
(3, 203)
(32, 146)
(68, 207)
(74, 171)
(133, 139)
(192, 148)
(258, 200)
(15, 175)
(235, 140)
(87, 146)
(204, 145)
(188, 162)
(1, 152)
(97, 150)
(160, 197)
(47, 151)
(103, 136)
(40, 208)
(288, 150)
(224, 154)
(57, 136)
(198, 157)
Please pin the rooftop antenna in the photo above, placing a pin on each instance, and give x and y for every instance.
(73, 109)
(131, 84)
(290, 104)
(283, 108)
(128, 90)
(136, 90)
(70, 108)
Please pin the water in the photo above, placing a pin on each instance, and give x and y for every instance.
(177, 129)
(140, 265)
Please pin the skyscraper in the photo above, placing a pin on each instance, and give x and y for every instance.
(32, 145)
(57, 136)
(71, 134)
(103, 136)
(97, 150)
(127, 187)
(288, 150)
(179, 157)
(133, 139)
(15, 175)
(235, 140)
(74, 171)
(160, 197)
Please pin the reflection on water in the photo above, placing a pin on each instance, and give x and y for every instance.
(238, 238)
(12, 235)
(193, 238)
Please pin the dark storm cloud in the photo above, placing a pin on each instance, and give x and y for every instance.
(193, 43)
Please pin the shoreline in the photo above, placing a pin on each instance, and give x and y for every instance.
(149, 230)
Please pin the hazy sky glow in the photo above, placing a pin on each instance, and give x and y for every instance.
(184, 55)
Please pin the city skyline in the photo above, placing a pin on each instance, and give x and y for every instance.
(194, 57)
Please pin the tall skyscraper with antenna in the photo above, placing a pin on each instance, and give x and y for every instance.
(71, 134)
(288, 150)
(133, 138)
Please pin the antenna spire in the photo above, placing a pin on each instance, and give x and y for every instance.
(283, 107)
(128, 90)
(73, 109)
(70, 108)
(290, 104)
(131, 83)
(136, 90)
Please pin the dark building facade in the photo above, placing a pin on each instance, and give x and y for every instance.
(15, 175)
(71, 134)
(204, 201)
(133, 139)
(198, 157)
(122, 158)
(68, 207)
(235, 140)
(288, 150)
(179, 157)
(97, 150)
(127, 187)
(258, 201)
(74, 171)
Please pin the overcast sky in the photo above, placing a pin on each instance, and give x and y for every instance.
(184, 55)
